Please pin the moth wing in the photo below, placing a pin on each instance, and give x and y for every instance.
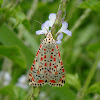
(57, 73)
(38, 73)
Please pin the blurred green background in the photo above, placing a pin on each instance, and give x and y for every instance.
(19, 44)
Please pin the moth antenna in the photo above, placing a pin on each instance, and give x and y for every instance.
(38, 22)
(43, 25)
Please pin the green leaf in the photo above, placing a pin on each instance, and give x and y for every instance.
(26, 24)
(8, 90)
(61, 93)
(92, 4)
(95, 88)
(73, 80)
(13, 53)
(8, 38)
(14, 93)
(21, 18)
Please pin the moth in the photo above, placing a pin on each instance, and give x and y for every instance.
(47, 67)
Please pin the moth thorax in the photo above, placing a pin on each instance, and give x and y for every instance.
(49, 45)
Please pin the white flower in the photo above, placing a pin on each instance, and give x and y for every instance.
(64, 29)
(60, 36)
(5, 76)
(49, 23)
(51, 20)
(44, 27)
(22, 82)
(22, 79)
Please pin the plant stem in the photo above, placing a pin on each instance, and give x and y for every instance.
(59, 17)
(78, 22)
(34, 94)
(32, 9)
(81, 94)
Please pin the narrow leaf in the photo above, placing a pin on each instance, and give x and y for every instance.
(8, 38)
(95, 88)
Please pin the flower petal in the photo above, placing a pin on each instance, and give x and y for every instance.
(58, 42)
(68, 32)
(49, 23)
(60, 36)
(64, 25)
(40, 32)
(45, 27)
(52, 17)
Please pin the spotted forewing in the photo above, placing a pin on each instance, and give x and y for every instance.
(47, 66)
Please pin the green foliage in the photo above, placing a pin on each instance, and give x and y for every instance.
(61, 94)
(19, 43)
(95, 88)
(92, 4)
(21, 18)
(73, 80)
(13, 92)
(13, 53)
(1, 1)
(94, 47)
(8, 38)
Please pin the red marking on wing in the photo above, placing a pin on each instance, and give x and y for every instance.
(45, 64)
(63, 70)
(54, 66)
(34, 62)
(38, 72)
(50, 64)
(45, 71)
(32, 79)
(54, 59)
(52, 49)
(40, 45)
(40, 81)
(44, 56)
(44, 49)
(49, 71)
(31, 68)
(60, 80)
(37, 53)
(55, 73)
(40, 66)
(63, 76)
(30, 75)
(46, 77)
(61, 63)
(52, 81)
(59, 54)
(51, 56)
(41, 58)
(56, 46)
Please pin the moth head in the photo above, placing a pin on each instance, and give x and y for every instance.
(48, 35)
